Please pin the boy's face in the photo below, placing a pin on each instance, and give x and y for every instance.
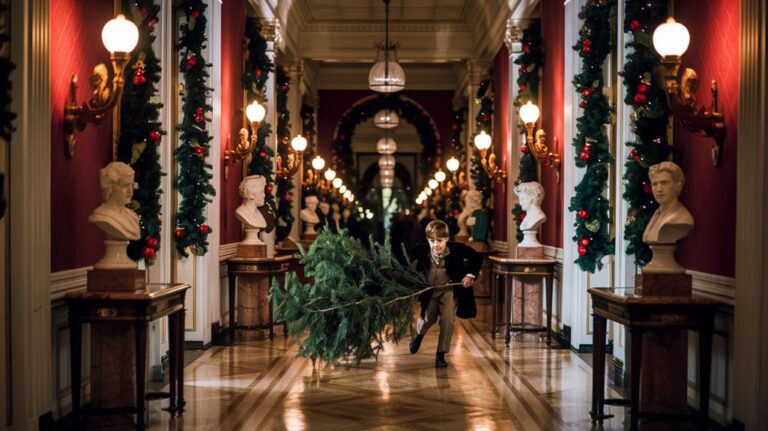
(437, 245)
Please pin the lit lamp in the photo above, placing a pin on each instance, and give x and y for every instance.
(386, 145)
(529, 113)
(386, 119)
(440, 176)
(671, 40)
(337, 183)
(287, 168)
(432, 184)
(386, 75)
(488, 161)
(119, 37)
(453, 164)
(255, 113)
(313, 175)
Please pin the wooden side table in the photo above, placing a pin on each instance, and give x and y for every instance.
(264, 267)
(639, 313)
(139, 308)
(505, 269)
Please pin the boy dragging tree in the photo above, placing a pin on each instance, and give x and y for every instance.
(444, 262)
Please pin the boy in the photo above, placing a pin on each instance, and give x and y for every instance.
(444, 262)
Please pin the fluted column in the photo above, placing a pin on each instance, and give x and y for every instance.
(295, 93)
(512, 38)
(270, 30)
(750, 356)
(30, 213)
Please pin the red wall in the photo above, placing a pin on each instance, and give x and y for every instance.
(333, 104)
(552, 83)
(232, 33)
(500, 139)
(76, 47)
(710, 193)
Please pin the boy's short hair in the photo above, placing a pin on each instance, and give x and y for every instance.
(437, 229)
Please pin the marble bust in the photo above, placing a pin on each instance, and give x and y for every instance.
(472, 201)
(252, 191)
(336, 217)
(671, 222)
(308, 215)
(531, 194)
(112, 217)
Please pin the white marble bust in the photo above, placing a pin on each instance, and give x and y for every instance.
(308, 215)
(336, 216)
(118, 223)
(252, 192)
(473, 200)
(671, 222)
(530, 195)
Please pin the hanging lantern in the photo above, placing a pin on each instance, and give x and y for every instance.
(386, 119)
(386, 145)
(386, 161)
(386, 75)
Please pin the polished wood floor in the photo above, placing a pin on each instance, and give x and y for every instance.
(262, 385)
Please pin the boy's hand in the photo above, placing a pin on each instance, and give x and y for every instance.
(467, 281)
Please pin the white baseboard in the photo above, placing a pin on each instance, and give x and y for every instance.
(716, 286)
(71, 280)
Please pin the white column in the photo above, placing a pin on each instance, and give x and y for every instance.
(295, 92)
(512, 40)
(29, 212)
(475, 74)
(270, 29)
(750, 386)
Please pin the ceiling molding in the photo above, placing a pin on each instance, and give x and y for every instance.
(339, 76)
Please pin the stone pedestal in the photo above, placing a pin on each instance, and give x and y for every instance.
(116, 280)
(252, 300)
(251, 250)
(113, 347)
(527, 305)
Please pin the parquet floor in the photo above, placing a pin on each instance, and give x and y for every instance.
(262, 385)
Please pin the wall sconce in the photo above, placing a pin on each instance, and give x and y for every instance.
(671, 40)
(488, 162)
(529, 113)
(453, 164)
(287, 168)
(119, 37)
(313, 175)
(255, 113)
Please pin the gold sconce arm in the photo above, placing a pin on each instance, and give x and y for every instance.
(285, 168)
(682, 103)
(488, 162)
(540, 151)
(243, 149)
(104, 99)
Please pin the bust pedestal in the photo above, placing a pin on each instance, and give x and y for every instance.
(251, 246)
(527, 305)
(663, 260)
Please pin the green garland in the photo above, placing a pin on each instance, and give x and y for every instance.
(592, 234)
(257, 69)
(285, 185)
(530, 63)
(360, 113)
(6, 115)
(649, 121)
(141, 133)
(483, 121)
(454, 194)
(309, 132)
(361, 298)
(194, 176)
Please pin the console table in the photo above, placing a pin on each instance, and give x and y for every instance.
(254, 267)
(640, 313)
(505, 270)
(139, 308)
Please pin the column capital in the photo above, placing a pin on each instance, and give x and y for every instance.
(271, 31)
(513, 35)
(477, 70)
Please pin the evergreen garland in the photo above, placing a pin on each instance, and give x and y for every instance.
(592, 234)
(284, 185)
(361, 298)
(6, 115)
(454, 194)
(194, 176)
(649, 121)
(530, 64)
(483, 121)
(309, 132)
(257, 69)
(141, 133)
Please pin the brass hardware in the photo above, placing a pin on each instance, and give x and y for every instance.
(243, 149)
(540, 151)
(106, 312)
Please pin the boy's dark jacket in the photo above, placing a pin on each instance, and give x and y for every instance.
(461, 260)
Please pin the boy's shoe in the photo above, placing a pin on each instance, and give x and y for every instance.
(440, 360)
(416, 343)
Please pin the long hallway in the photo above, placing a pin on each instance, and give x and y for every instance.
(261, 385)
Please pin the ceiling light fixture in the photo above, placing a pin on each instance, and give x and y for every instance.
(386, 75)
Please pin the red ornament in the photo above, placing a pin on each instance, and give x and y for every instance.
(584, 155)
(140, 71)
(268, 188)
(144, 10)
(521, 69)
(195, 13)
(634, 155)
(203, 228)
(155, 135)
(635, 25)
(587, 42)
(199, 111)
(527, 48)
(258, 72)
(262, 154)
(582, 213)
(152, 23)
(521, 216)
(583, 104)
(191, 62)
(180, 233)
(455, 213)
(200, 151)
(586, 49)
(647, 188)
(582, 251)
(523, 148)
(640, 99)
(287, 197)
(139, 80)
(643, 88)
(152, 241)
(284, 88)
(586, 92)
(149, 253)
(584, 242)
(199, 119)
(523, 87)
